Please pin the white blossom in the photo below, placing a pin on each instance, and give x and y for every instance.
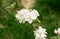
(40, 33)
(34, 14)
(57, 31)
(27, 15)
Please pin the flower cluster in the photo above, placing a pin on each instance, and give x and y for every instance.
(27, 15)
(57, 31)
(40, 33)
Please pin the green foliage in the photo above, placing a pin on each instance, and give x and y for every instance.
(49, 14)
(49, 17)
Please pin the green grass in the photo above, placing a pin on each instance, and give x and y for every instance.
(49, 17)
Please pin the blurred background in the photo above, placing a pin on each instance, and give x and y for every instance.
(10, 28)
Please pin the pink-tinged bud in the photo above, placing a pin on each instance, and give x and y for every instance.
(57, 31)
